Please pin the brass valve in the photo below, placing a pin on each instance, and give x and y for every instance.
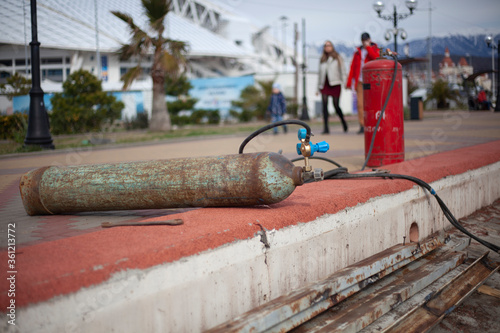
(306, 149)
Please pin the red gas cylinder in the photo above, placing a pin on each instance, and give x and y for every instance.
(388, 147)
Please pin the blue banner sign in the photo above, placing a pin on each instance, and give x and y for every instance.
(218, 93)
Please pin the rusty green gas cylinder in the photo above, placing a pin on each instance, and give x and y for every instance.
(229, 180)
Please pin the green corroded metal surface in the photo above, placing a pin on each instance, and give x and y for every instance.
(230, 180)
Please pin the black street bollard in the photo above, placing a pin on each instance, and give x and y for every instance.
(38, 120)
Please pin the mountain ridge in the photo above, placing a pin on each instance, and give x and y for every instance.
(472, 47)
(458, 45)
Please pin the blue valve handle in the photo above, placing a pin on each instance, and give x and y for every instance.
(320, 147)
(302, 133)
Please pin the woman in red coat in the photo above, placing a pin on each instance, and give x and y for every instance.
(366, 52)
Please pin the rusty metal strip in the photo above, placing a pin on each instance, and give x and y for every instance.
(289, 311)
(335, 299)
(141, 224)
(370, 304)
(445, 300)
(404, 308)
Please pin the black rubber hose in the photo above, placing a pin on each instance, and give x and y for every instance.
(342, 173)
(382, 112)
(276, 124)
(318, 158)
(442, 205)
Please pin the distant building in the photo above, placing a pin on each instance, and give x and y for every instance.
(77, 35)
(454, 73)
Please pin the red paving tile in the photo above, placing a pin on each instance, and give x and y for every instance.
(9, 195)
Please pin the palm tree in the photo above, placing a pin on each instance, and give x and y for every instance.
(168, 56)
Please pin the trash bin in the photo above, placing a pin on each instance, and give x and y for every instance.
(318, 109)
(416, 108)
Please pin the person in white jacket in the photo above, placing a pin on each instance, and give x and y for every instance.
(331, 76)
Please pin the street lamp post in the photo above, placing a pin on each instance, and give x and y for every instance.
(38, 132)
(305, 112)
(284, 19)
(395, 17)
(491, 43)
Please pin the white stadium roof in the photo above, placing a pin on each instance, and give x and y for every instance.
(72, 25)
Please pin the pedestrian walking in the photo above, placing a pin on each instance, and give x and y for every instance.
(330, 79)
(277, 107)
(366, 52)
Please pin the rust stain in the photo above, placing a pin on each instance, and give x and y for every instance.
(360, 277)
(29, 187)
(320, 296)
(337, 298)
(295, 307)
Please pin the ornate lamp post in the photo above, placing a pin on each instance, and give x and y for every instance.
(38, 120)
(395, 17)
(305, 112)
(491, 43)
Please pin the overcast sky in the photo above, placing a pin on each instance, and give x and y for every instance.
(345, 20)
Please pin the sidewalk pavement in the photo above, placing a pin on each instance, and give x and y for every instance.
(437, 132)
(60, 254)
